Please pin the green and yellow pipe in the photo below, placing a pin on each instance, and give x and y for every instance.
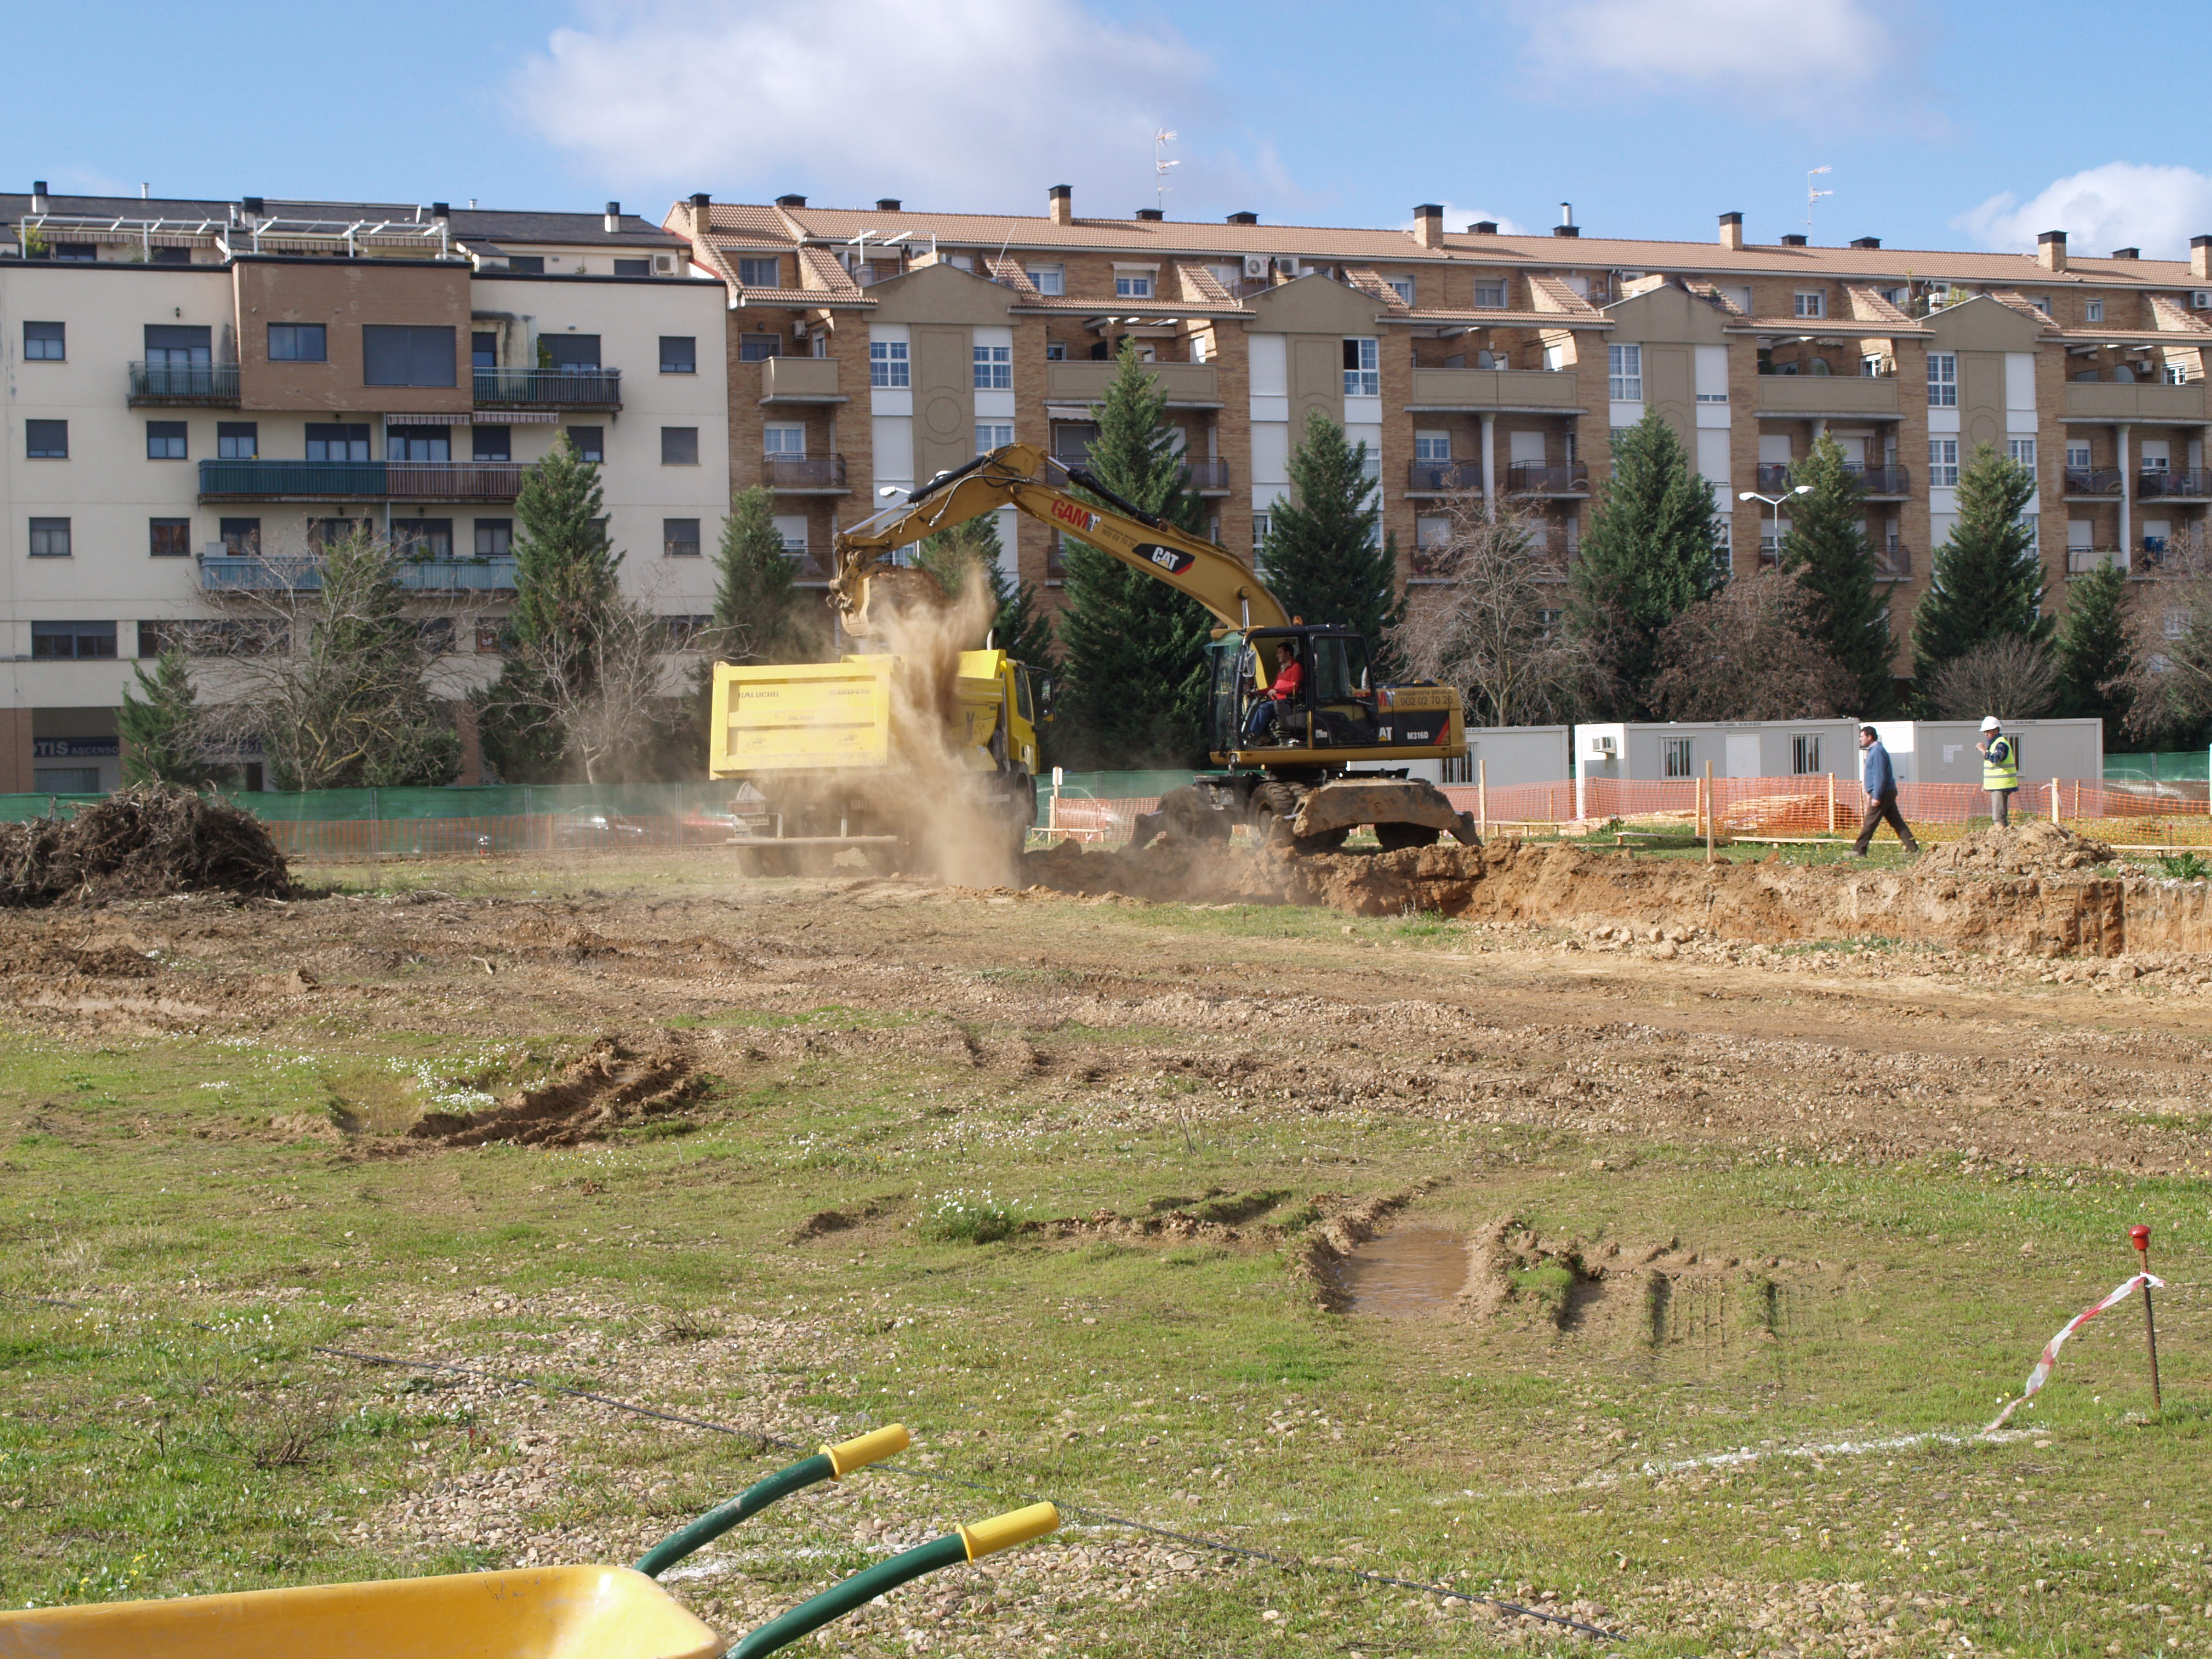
(831, 1463)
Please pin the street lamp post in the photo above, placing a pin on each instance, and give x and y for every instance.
(1774, 509)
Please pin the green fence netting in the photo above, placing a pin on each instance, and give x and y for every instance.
(2171, 766)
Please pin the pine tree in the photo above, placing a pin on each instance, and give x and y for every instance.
(1985, 581)
(1134, 647)
(1018, 626)
(1325, 558)
(757, 616)
(2093, 650)
(1647, 557)
(160, 726)
(1827, 546)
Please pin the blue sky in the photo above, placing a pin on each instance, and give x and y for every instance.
(1945, 124)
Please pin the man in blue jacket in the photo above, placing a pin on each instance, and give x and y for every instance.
(1879, 778)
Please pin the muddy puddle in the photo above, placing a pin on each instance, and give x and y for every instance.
(1408, 1273)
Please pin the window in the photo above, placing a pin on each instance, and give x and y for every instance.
(237, 440)
(2177, 374)
(298, 342)
(1813, 303)
(887, 363)
(679, 354)
(495, 538)
(1872, 365)
(170, 345)
(994, 367)
(1675, 756)
(1942, 380)
(423, 539)
(79, 254)
(590, 442)
(349, 442)
(396, 354)
(1259, 532)
(679, 538)
(45, 342)
(526, 264)
(570, 354)
(1804, 753)
(783, 440)
(2077, 458)
(682, 633)
(50, 538)
(2093, 312)
(759, 273)
(1432, 445)
(483, 348)
(57, 642)
(494, 637)
(165, 441)
(2023, 450)
(436, 634)
(241, 537)
(1072, 441)
(759, 348)
(1133, 285)
(1624, 372)
(331, 533)
(679, 446)
(1048, 279)
(491, 443)
(1489, 296)
(46, 441)
(992, 434)
(1402, 287)
(632, 267)
(1055, 351)
(1361, 373)
(169, 538)
(419, 443)
(1943, 463)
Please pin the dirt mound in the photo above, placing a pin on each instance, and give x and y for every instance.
(1184, 872)
(611, 1086)
(2025, 849)
(141, 843)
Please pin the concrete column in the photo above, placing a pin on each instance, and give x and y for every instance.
(15, 751)
(1489, 464)
(2127, 498)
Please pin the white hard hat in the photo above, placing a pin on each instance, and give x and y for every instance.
(1989, 723)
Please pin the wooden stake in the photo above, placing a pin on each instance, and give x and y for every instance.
(1710, 813)
(1482, 797)
(2054, 800)
(1831, 803)
(2139, 1236)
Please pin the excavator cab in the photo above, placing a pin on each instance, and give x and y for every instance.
(1333, 708)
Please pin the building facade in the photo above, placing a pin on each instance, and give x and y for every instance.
(872, 347)
(197, 392)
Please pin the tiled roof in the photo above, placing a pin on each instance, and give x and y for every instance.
(1201, 285)
(1553, 296)
(2026, 306)
(805, 298)
(2177, 318)
(1589, 317)
(828, 276)
(1868, 306)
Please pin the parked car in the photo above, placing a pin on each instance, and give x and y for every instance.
(595, 826)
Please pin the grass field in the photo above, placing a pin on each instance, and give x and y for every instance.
(1771, 1455)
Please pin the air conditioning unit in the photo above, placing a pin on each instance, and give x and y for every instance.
(663, 263)
(1256, 266)
(2202, 299)
(799, 331)
(1601, 744)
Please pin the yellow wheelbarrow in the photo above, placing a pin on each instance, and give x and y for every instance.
(531, 1612)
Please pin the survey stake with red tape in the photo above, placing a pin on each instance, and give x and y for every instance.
(2041, 1374)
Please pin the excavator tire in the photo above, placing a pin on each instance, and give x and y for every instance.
(1274, 810)
(1396, 837)
(1186, 814)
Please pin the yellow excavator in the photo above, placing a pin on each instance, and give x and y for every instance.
(1285, 742)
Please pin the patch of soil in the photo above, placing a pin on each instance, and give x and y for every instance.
(141, 843)
(46, 959)
(2022, 849)
(610, 1086)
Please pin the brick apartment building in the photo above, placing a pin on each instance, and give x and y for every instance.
(197, 391)
(1472, 364)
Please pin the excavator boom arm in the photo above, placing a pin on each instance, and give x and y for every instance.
(1020, 476)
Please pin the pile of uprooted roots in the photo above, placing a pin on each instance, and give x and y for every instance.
(141, 843)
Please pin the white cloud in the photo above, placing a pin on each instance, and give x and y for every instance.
(1457, 219)
(1810, 59)
(2119, 204)
(954, 103)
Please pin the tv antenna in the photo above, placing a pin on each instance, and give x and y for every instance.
(1160, 166)
(1812, 197)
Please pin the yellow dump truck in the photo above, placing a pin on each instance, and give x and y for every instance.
(880, 753)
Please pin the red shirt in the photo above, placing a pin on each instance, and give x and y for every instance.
(1288, 679)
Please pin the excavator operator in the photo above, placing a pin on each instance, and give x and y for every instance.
(1267, 707)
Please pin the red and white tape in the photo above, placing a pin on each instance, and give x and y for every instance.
(2041, 1374)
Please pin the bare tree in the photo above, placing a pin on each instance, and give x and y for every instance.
(1744, 655)
(1493, 623)
(2168, 679)
(610, 693)
(2010, 676)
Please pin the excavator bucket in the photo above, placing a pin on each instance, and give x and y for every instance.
(869, 602)
(1347, 803)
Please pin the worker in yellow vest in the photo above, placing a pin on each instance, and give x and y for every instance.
(2000, 767)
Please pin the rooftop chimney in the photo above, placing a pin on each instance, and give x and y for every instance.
(1483, 227)
(253, 207)
(1866, 241)
(613, 221)
(2127, 254)
(887, 205)
(2200, 258)
(1428, 224)
(441, 209)
(1150, 214)
(1243, 218)
(2050, 250)
(791, 201)
(700, 202)
(1732, 232)
(1061, 204)
(39, 197)
(1793, 240)
(1566, 227)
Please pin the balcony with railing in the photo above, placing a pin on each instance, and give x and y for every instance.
(1536, 390)
(2080, 560)
(370, 480)
(800, 380)
(184, 384)
(1443, 477)
(225, 572)
(2093, 481)
(2186, 485)
(1893, 563)
(805, 475)
(1209, 477)
(1537, 478)
(547, 388)
(1185, 386)
(1776, 476)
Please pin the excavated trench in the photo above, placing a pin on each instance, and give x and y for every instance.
(2036, 890)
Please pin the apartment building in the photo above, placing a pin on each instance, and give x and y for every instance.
(197, 392)
(871, 348)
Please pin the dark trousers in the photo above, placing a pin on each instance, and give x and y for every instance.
(1260, 722)
(2000, 805)
(1883, 809)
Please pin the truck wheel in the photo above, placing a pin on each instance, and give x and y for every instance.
(1274, 809)
(1397, 837)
